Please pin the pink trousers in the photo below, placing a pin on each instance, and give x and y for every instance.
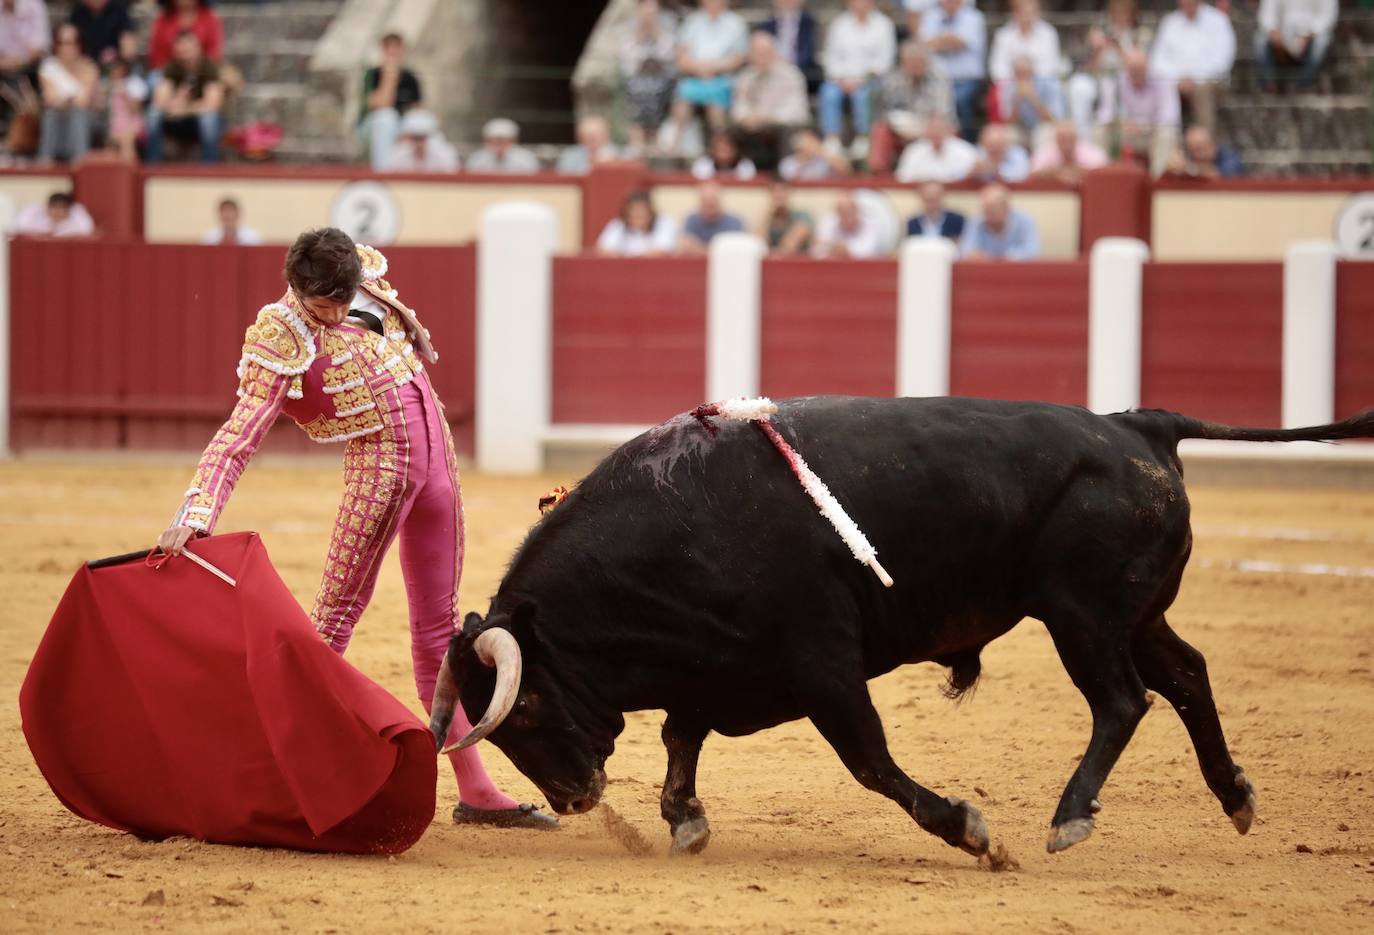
(404, 481)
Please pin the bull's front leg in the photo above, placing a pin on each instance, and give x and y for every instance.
(680, 806)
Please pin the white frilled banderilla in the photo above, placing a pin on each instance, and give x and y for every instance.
(760, 410)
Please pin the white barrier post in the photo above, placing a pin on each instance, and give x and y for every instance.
(734, 299)
(1309, 333)
(6, 222)
(514, 336)
(925, 268)
(1114, 298)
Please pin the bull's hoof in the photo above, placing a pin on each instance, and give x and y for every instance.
(1244, 816)
(975, 836)
(1065, 836)
(691, 836)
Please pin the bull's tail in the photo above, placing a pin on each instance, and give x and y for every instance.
(1360, 426)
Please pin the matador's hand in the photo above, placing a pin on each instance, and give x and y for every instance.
(174, 539)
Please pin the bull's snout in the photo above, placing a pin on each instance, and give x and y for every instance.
(583, 801)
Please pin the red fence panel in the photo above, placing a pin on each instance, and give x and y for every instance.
(829, 327)
(130, 345)
(1212, 340)
(629, 338)
(1020, 331)
(1354, 338)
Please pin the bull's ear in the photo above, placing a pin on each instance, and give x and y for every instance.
(472, 623)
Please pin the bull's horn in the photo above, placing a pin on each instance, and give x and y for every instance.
(445, 699)
(497, 648)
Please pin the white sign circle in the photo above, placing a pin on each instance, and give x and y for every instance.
(1355, 226)
(367, 212)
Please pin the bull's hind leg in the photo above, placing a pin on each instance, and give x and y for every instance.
(1178, 672)
(849, 722)
(1099, 663)
(680, 806)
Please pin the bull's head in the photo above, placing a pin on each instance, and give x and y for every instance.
(495, 666)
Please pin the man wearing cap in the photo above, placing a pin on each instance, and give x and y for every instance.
(501, 152)
(422, 148)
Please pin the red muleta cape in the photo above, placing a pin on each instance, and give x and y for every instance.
(163, 701)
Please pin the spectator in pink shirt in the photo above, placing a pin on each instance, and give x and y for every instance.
(1066, 157)
(24, 40)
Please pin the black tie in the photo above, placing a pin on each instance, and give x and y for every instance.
(368, 319)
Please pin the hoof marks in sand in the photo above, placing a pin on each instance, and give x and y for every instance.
(1064, 836)
(691, 837)
(1244, 816)
(975, 837)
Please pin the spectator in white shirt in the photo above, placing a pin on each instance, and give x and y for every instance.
(501, 152)
(1143, 111)
(846, 234)
(999, 158)
(722, 159)
(712, 45)
(957, 36)
(860, 46)
(941, 156)
(639, 231)
(61, 216)
(1195, 48)
(230, 229)
(1025, 34)
(810, 160)
(421, 146)
(1293, 34)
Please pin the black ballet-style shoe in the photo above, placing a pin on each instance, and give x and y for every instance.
(524, 815)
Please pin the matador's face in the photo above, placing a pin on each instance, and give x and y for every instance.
(324, 310)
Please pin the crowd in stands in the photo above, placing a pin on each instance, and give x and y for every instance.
(88, 82)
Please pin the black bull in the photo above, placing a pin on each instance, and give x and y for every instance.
(690, 572)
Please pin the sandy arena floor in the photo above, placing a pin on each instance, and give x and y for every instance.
(797, 845)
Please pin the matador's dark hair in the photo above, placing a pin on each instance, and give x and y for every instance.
(324, 263)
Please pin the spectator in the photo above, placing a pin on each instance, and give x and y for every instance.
(230, 229)
(1195, 49)
(1293, 34)
(786, 230)
(178, 16)
(712, 45)
(639, 231)
(60, 217)
(389, 90)
(957, 36)
(187, 102)
(648, 66)
(906, 99)
(810, 160)
(934, 220)
(593, 146)
(723, 159)
(1027, 35)
(422, 146)
(1201, 158)
(1117, 33)
(102, 23)
(846, 233)
(1000, 159)
(795, 30)
(769, 98)
(860, 45)
(941, 156)
(24, 40)
(1029, 102)
(1144, 112)
(125, 99)
(69, 83)
(501, 151)
(1002, 233)
(1066, 157)
(708, 220)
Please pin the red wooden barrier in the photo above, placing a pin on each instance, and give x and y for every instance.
(129, 345)
(1354, 338)
(1020, 331)
(629, 338)
(829, 327)
(1212, 340)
